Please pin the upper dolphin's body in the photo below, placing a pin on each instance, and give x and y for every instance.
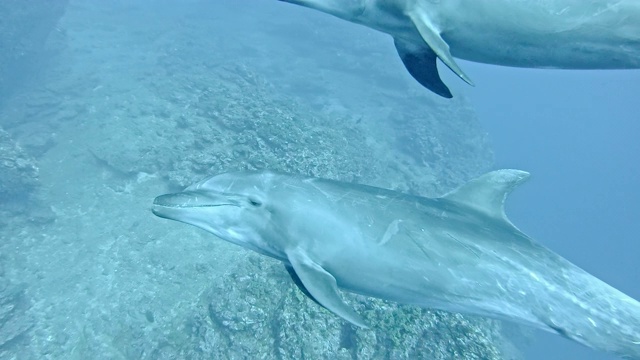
(457, 253)
(566, 34)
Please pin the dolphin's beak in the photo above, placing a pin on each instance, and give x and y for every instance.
(181, 199)
(169, 206)
(173, 206)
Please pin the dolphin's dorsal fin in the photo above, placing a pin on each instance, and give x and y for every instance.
(431, 35)
(488, 192)
(321, 286)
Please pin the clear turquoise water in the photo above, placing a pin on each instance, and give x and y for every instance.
(105, 116)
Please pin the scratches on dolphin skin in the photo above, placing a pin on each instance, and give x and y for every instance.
(328, 196)
(392, 230)
(369, 220)
(534, 276)
(611, 7)
(228, 189)
(560, 331)
(419, 246)
(389, 200)
(298, 187)
(393, 199)
(585, 19)
(464, 245)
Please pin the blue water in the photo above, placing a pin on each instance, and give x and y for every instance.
(576, 132)
(114, 112)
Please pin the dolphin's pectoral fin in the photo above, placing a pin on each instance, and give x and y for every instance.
(421, 64)
(432, 37)
(488, 192)
(322, 286)
(299, 284)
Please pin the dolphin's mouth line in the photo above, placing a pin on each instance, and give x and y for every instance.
(184, 206)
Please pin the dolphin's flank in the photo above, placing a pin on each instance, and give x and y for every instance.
(456, 253)
(565, 34)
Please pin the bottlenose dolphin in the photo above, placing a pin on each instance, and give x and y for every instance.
(456, 253)
(567, 34)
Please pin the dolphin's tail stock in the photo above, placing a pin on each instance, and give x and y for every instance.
(593, 313)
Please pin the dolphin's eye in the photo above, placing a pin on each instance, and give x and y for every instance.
(255, 202)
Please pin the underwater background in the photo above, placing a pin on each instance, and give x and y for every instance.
(106, 104)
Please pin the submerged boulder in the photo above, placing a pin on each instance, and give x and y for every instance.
(18, 171)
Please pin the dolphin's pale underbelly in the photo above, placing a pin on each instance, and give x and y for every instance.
(538, 52)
